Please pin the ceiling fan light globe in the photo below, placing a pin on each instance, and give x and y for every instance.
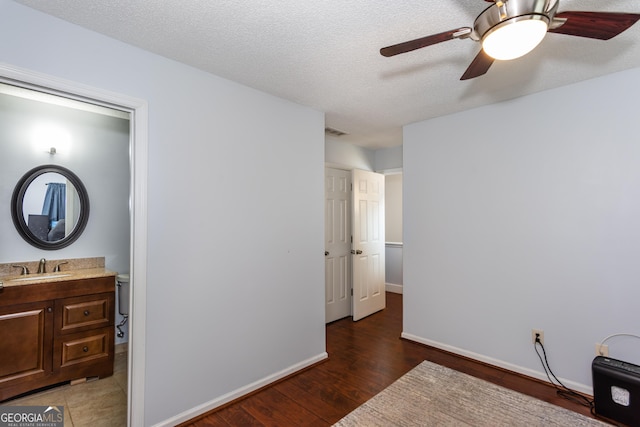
(514, 38)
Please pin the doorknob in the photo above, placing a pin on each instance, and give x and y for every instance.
(326, 253)
(356, 252)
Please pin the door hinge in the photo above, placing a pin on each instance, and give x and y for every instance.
(351, 291)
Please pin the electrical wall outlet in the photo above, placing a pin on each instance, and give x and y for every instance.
(602, 349)
(537, 333)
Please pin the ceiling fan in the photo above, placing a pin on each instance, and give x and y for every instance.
(509, 29)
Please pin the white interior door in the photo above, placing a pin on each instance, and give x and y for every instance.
(337, 259)
(368, 247)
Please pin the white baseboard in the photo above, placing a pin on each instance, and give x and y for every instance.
(242, 391)
(583, 388)
(391, 287)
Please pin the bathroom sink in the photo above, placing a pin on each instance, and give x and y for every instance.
(40, 277)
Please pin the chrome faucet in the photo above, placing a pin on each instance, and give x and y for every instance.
(24, 268)
(57, 267)
(42, 266)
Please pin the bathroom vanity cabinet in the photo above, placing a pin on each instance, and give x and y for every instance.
(57, 331)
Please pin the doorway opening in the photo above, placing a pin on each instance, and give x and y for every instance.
(354, 243)
(138, 143)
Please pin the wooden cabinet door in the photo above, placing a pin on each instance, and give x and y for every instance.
(26, 337)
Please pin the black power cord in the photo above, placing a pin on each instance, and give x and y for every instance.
(561, 389)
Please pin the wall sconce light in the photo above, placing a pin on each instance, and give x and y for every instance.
(51, 138)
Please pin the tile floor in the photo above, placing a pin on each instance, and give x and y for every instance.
(96, 403)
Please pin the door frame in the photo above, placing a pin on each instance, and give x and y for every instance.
(138, 164)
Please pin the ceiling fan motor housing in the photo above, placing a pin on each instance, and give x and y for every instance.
(506, 12)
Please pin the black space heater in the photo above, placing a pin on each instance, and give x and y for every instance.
(616, 390)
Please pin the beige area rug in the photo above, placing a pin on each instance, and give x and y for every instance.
(432, 395)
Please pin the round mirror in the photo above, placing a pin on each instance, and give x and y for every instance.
(50, 207)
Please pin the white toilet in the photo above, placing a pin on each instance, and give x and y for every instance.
(122, 281)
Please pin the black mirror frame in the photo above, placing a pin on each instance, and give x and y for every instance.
(17, 205)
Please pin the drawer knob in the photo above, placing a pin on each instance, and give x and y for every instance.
(85, 348)
(86, 312)
(49, 309)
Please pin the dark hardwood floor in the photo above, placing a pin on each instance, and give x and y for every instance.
(364, 358)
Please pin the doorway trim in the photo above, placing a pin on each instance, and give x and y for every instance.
(138, 164)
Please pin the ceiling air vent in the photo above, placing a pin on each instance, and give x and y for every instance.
(333, 132)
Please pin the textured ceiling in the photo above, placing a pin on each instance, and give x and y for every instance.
(325, 53)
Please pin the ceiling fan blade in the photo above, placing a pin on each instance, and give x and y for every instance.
(404, 47)
(479, 66)
(594, 25)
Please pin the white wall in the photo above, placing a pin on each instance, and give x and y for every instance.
(342, 155)
(393, 274)
(235, 215)
(393, 232)
(393, 207)
(387, 159)
(526, 214)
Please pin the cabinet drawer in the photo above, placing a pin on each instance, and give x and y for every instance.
(83, 313)
(85, 348)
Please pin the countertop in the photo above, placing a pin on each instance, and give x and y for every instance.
(61, 276)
